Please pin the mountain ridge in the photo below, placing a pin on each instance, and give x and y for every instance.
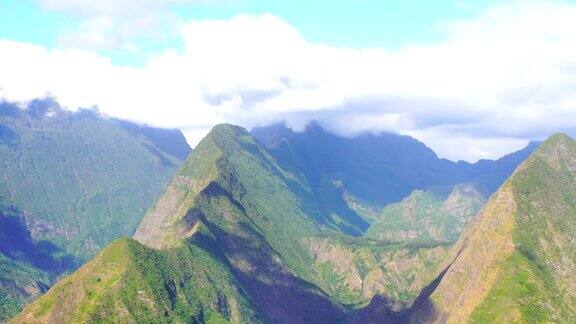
(353, 177)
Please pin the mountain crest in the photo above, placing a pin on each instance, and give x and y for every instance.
(559, 151)
(168, 221)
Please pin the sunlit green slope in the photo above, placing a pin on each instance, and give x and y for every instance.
(516, 263)
(128, 282)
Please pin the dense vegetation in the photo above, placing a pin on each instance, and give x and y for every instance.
(71, 182)
(258, 213)
(263, 218)
(130, 282)
(354, 270)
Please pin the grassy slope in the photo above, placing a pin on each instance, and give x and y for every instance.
(130, 282)
(540, 273)
(229, 168)
(265, 219)
(519, 295)
(260, 215)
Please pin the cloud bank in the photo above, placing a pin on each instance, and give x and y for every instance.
(495, 82)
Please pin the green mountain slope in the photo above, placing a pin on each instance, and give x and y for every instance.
(258, 213)
(516, 262)
(230, 171)
(71, 183)
(268, 232)
(433, 215)
(128, 282)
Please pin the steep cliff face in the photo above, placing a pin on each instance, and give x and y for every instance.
(80, 179)
(516, 262)
(258, 213)
(241, 235)
(231, 181)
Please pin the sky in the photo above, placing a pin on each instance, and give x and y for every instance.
(471, 79)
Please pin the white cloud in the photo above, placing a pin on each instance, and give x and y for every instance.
(496, 82)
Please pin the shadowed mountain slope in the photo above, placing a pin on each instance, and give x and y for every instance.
(258, 213)
(353, 177)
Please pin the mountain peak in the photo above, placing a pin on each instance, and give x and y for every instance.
(226, 137)
(225, 161)
(272, 135)
(559, 149)
(555, 142)
(226, 128)
(257, 212)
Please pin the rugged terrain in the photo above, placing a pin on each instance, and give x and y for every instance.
(230, 189)
(354, 270)
(263, 230)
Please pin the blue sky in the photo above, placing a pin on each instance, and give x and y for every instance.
(348, 23)
(471, 79)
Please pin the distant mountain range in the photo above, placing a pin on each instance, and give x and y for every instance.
(353, 178)
(71, 182)
(279, 226)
